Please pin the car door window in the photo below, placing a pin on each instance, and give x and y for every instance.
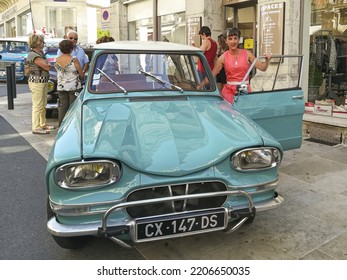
(276, 102)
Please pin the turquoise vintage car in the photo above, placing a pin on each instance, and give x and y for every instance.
(143, 155)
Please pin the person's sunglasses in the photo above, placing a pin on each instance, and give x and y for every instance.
(73, 38)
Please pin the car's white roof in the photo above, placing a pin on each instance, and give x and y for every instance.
(53, 42)
(145, 45)
(26, 38)
(15, 39)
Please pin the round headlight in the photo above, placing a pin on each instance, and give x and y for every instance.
(51, 86)
(256, 158)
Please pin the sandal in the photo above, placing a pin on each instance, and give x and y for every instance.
(48, 127)
(40, 131)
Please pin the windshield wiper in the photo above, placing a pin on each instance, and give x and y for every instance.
(112, 81)
(160, 81)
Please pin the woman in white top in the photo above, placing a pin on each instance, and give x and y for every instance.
(69, 77)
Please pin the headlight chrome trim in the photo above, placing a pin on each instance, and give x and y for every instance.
(51, 86)
(83, 175)
(256, 158)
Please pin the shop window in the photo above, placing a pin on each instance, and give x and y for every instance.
(11, 28)
(24, 24)
(229, 17)
(143, 30)
(173, 28)
(328, 49)
(2, 30)
(60, 20)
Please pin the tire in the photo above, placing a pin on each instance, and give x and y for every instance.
(71, 243)
(49, 113)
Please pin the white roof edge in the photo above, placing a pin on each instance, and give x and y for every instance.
(146, 45)
(14, 39)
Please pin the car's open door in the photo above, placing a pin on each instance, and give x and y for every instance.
(277, 101)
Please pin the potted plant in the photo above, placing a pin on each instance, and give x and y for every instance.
(315, 80)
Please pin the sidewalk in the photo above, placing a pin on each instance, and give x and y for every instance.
(20, 119)
(310, 224)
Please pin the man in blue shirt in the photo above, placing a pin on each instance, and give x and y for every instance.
(77, 52)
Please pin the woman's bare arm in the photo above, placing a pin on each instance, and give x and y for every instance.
(79, 68)
(42, 64)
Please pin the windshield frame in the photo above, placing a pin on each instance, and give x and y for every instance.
(175, 89)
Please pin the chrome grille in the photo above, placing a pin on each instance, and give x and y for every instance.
(163, 208)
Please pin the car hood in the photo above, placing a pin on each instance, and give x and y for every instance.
(13, 56)
(165, 137)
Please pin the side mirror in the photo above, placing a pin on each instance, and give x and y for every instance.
(77, 93)
(242, 89)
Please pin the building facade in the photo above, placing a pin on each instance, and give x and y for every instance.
(266, 25)
(54, 17)
(311, 28)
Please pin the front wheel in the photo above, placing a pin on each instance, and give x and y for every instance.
(49, 113)
(71, 243)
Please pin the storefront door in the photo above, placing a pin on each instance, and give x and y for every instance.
(242, 15)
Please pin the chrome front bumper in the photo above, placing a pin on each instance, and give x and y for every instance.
(108, 229)
(51, 106)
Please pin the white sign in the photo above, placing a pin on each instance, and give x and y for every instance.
(105, 19)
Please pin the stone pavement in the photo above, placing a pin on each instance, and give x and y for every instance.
(311, 224)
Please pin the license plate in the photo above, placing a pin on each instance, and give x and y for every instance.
(180, 224)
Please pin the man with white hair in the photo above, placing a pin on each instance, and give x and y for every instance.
(77, 52)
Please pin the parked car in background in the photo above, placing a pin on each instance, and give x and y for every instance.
(50, 51)
(143, 155)
(13, 50)
(51, 48)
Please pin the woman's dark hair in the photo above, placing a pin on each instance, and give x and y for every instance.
(221, 41)
(66, 46)
(205, 30)
(220, 37)
(232, 32)
(104, 39)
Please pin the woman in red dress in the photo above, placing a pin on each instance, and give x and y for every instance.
(236, 63)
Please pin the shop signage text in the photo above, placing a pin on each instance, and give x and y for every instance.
(271, 28)
(9, 13)
(270, 7)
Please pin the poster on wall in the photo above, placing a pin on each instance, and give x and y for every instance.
(271, 31)
(193, 28)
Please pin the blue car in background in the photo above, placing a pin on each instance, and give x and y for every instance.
(13, 50)
(50, 50)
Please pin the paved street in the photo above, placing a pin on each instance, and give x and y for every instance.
(310, 224)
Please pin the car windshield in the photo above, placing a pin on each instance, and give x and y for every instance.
(13, 47)
(124, 72)
(127, 72)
